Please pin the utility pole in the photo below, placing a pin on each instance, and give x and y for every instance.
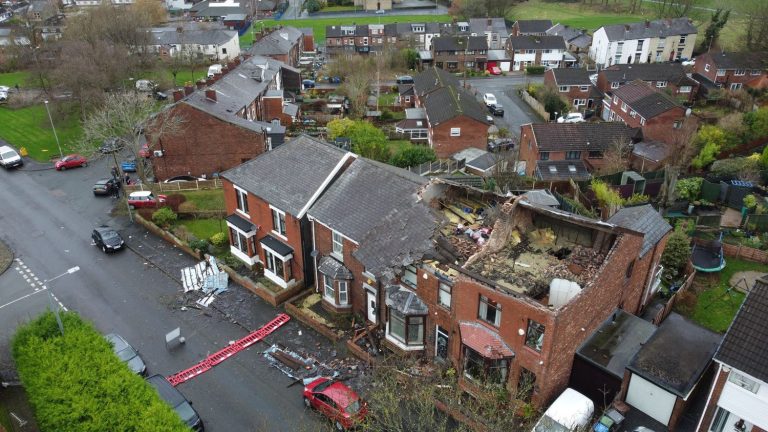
(61, 154)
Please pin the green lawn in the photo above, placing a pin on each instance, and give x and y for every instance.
(206, 199)
(164, 77)
(318, 24)
(204, 228)
(397, 145)
(30, 128)
(714, 308)
(572, 14)
(10, 79)
(387, 99)
(338, 8)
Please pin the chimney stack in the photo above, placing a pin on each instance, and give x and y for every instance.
(178, 95)
(200, 84)
(209, 82)
(210, 94)
(188, 88)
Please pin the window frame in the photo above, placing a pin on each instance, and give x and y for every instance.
(329, 291)
(532, 340)
(739, 72)
(278, 222)
(544, 156)
(442, 288)
(563, 89)
(455, 132)
(661, 84)
(487, 367)
(595, 154)
(614, 84)
(343, 291)
(624, 106)
(410, 270)
(489, 304)
(742, 381)
(407, 340)
(337, 245)
(241, 201)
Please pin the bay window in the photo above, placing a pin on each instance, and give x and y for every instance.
(330, 293)
(483, 370)
(408, 330)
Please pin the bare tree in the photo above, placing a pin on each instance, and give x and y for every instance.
(125, 116)
(616, 157)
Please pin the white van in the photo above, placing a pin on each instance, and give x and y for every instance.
(570, 411)
(9, 158)
(214, 69)
(143, 85)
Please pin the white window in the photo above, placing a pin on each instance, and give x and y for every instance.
(444, 295)
(455, 132)
(735, 86)
(624, 106)
(329, 291)
(615, 100)
(755, 72)
(721, 72)
(743, 381)
(633, 113)
(740, 72)
(563, 88)
(409, 276)
(614, 84)
(642, 121)
(706, 67)
(677, 124)
(530, 51)
(279, 267)
(343, 297)
(489, 311)
(661, 84)
(242, 200)
(338, 245)
(685, 89)
(278, 222)
(584, 88)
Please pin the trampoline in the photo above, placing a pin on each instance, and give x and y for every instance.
(707, 256)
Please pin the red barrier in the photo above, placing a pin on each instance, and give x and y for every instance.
(227, 352)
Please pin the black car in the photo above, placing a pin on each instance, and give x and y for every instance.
(404, 79)
(127, 354)
(501, 144)
(496, 110)
(107, 239)
(110, 145)
(106, 186)
(307, 83)
(177, 401)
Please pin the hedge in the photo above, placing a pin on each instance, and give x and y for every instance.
(76, 383)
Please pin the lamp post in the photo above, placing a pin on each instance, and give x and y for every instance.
(51, 298)
(61, 154)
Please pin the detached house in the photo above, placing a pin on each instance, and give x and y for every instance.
(575, 86)
(216, 45)
(267, 200)
(527, 51)
(455, 120)
(668, 77)
(738, 398)
(639, 105)
(734, 70)
(531, 27)
(643, 42)
(284, 44)
(562, 151)
(460, 53)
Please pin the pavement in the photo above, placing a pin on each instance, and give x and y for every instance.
(516, 111)
(48, 217)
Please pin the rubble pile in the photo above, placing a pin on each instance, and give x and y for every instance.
(581, 266)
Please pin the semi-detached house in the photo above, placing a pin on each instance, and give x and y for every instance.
(575, 86)
(668, 77)
(643, 42)
(536, 51)
(733, 70)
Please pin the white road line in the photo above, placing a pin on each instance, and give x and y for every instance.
(19, 299)
(32, 280)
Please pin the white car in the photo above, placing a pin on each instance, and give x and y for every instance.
(690, 62)
(571, 118)
(489, 99)
(569, 412)
(3, 96)
(380, 12)
(4, 89)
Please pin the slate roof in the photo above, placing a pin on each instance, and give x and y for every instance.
(571, 77)
(288, 176)
(405, 301)
(170, 36)
(671, 72)
(533, 26)
(647, 101)
(565, 31)
(433, 78)
(562, 170)
(583, 41)
(459, 43)
(276, 245)
(329, 266)
(745, 346)
(740, 60)
(536, 42)
(449, 102)
(580, 136)
(480, 26)
(644, 30)
(367, 192)
(405, 89)
(644, 219)
(652, 150)
(484, 162)
(662, 361)
(278, 42)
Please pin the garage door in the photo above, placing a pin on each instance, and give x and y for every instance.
(650, 399)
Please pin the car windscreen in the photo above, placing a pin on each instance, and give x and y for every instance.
(108, 235)
(548, 424)
(126, 353)
(353, 407)
(322, 386)
(186, 412)
(8, 155)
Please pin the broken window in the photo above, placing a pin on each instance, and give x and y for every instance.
(534, 337)
(441, 343)
(526, 384)
(487, 371)
(409, 276)
(444, 295)
(489, 311)
(406, 329)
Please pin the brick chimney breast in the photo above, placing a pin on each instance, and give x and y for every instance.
(200, 84)
(188, 89)
(210, 94)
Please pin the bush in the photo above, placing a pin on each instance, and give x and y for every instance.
(199, 245)
(219, 240)
(174, 201)
(312, 6)
(164, 217)
(636, 199)
(412, 156)
(677, 252)
(689, 188)
(187, 207)
(232, 262)
(76, 383)
(535, 70)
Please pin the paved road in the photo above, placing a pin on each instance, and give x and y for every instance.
(47, 218)
(516, 112)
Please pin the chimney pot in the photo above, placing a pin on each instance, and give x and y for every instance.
(178, 95)
(210, 94)
(188, 89)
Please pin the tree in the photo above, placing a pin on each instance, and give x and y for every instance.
(677, 253)
(716, 24)
(764, 158)
(756, 123)
(369, 141)
(756, 14)
(339, 127)
(554, 104)
(411, 58)
(482, 8)
(412, 155)
(711, 140)
(152, 11)
(123, 116)
(616, 156)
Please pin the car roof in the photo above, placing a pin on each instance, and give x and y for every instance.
(341, 394)
(103, 229)
(118, 341)
(141, 193)
(166, 390)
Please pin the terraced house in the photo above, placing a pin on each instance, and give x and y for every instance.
(460, 53)
(667, 77)
(643, 42)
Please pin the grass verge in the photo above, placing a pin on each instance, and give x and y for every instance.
(10, 79)
(572, 14)
(29, 127)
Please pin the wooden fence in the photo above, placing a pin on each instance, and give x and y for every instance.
(746, 252)
(536, 105)
(667, 309)
(176, 186)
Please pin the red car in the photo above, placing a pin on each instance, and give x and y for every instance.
(141, 199)
(336, 401)
(71, 161)
(494, 70)
(144, 152)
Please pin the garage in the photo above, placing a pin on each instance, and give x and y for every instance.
(650, 399)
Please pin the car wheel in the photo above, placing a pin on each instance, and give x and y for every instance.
(307, 403)
(63, 168)
(85, 164)
(104, 249)
(339, 427)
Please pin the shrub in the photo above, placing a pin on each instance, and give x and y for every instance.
(219, 239)
(76, 383)
(689, 188)
(750, 201)
(164, 217)
(605, 195)
(535, 70)
(232, 262)
(199, 245)
(187, 207)
(174, 201)
(677, 252)
(412, 156)
(637, 199)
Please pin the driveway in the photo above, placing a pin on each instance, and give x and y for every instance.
(516, 111)
(48, 217)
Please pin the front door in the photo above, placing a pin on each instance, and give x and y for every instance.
(370, 302)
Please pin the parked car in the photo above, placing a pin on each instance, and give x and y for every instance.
(70, 161)
(489, 119)
(501, 144)
(308, 83)
(106, 186)
(110, 145)
(404, 79)
(144, 151)
(336, 401)
(334, 80)
(177, 401)
(9, 158)
(107, 239)
(496, 109)
(144, 199)
(570, 411)
(380, 12)
(144, 85)
(489, 99)
(127, 354)
(494, 70)
(128, 165)
(571, 118)
(214, 69)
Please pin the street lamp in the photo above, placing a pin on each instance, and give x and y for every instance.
(61, 154)
(51, 298)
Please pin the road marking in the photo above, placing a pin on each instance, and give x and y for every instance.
(19, 299)
(30, 278)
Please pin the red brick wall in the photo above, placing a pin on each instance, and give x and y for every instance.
(309, 43)
(728, 78)
(473, 134)
(324, 245)
(700, 67)
(716, 390)
(261, 215)
(529, 150)
(190, 151)
(658, 128)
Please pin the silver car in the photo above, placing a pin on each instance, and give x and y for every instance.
(127, 354)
